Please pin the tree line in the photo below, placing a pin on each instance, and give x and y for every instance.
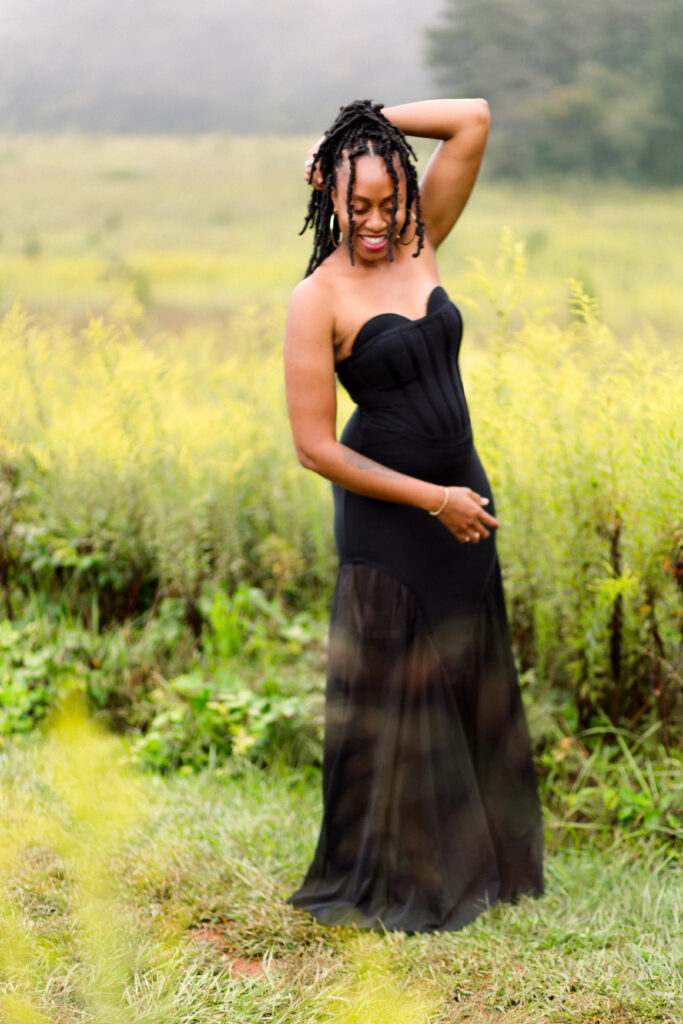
(587, 87)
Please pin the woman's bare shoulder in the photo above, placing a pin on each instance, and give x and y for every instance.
(311, 306)
(315, 290)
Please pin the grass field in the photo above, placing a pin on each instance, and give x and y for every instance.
(191, 926)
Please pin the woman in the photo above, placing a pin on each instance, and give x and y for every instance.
(430, 805)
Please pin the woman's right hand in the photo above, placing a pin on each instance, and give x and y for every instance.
(465, 515)
(317, 180)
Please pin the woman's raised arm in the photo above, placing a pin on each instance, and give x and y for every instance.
(462, 126)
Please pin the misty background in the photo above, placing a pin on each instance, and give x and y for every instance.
(210, 65)
(591, 87)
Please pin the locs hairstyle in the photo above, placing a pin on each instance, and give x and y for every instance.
(359, 128)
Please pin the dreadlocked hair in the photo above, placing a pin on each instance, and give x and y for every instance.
(359, 128)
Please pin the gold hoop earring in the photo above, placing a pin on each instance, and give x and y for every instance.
(336, 242)
(412, 237)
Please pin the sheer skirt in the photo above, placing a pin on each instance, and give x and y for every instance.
(431, 811)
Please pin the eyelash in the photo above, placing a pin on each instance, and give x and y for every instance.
(354, 209)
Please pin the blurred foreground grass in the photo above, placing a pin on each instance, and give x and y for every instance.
(129, 899)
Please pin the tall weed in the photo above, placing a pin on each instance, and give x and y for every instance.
(153, 465)
(139, 469)
(583, 439)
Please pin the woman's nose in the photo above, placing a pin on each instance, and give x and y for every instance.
(376, 220)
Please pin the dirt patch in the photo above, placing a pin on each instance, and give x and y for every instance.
(238, 965)
(249, 968)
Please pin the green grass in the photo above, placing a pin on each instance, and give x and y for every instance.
(198, 893)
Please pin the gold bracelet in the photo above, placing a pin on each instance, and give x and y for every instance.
(439, 510)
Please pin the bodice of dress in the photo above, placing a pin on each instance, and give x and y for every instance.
(403, 374)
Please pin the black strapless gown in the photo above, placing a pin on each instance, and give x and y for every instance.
(431, 811)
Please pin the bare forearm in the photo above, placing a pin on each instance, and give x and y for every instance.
(357, 473)
(460, 509)
(437, 119)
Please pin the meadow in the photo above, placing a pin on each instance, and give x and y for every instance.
(202, 226)
(164, 559)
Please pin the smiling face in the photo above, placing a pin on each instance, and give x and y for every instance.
(372, 202)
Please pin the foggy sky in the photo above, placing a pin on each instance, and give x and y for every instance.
(231, 65)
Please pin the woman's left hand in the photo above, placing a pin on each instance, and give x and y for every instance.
(464, 514)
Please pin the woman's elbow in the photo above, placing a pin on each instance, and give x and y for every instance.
(309, 458)
(306, 460)
(481, 114)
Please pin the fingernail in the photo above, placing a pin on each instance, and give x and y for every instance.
(484, 501)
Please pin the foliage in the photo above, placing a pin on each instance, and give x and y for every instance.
(581, 437)
(248, 686)
(248, 691)
(146, 465)
(594, 89)
(140, 476)
(131, 492)
(29, 673)
(242, 698)
(605, 780)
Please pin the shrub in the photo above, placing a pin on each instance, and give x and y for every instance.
(582, 439)
(141, 471)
